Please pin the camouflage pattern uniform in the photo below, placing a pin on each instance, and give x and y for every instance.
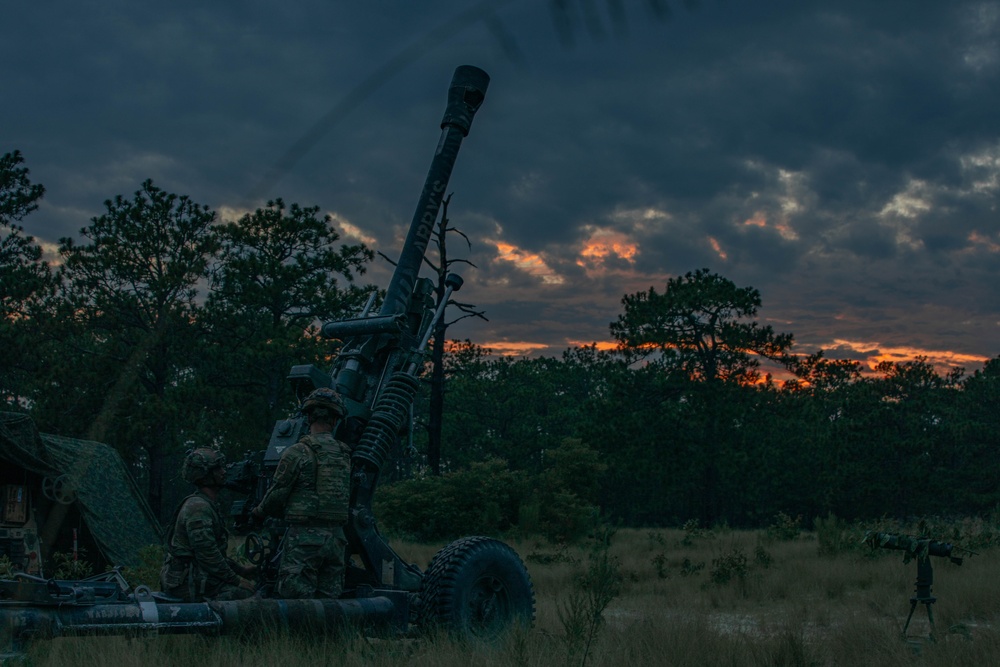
(311, 490)
(196, 567)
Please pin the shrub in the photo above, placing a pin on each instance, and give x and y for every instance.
(481, 500)
(562, 505)
(692, 531)
(689, 567)
(784, 528)
(488, 498)
(582, 614)
(727, 567)
(660, 563)
(68, 567)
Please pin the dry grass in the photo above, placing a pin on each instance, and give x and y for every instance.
(783, 604)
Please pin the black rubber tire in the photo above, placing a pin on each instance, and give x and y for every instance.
(476, 588)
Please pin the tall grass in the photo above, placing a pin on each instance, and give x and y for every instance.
(684, 597)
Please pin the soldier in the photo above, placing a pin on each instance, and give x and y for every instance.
(310, 490)
(196, 567)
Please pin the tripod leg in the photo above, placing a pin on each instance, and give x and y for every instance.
(930, 619)
(913, 605)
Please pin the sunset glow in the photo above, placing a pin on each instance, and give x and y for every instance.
(606, 244)
(759, 219)
(835, 159)
(871, 353)
(717, 248)
(528, 262)
(602, 345)
(984, 242)
(506, 348)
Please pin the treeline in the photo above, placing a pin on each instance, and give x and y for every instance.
(647, 444)
(164, 328)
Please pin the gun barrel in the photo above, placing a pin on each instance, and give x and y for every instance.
(148, 616)
(465, 96)
(363, 326)
(915, 546)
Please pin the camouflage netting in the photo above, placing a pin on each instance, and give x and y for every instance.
(116, 512)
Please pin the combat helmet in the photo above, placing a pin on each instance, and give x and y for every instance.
(324, 399)
(199, 464)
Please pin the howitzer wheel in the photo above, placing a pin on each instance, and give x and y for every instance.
(476, 588)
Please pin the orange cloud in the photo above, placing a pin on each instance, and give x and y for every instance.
(529, 262)
(717, 248)
(984, 242)
(942, 360)
(506, 348)
(759, 219)
(603, 345)
(604, 243)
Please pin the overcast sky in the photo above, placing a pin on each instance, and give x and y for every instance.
(843, 158)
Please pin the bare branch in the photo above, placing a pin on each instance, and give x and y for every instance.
(459, 319)
(386, 257)
(462, 234)
(432, 265)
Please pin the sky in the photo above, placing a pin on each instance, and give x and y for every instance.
(841, 158)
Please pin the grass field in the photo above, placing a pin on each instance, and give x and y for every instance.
(670, 597)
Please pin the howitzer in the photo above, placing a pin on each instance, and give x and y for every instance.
(474, 586)
(921, 548)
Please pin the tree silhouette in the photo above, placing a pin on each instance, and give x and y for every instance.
(25, 279)
(437, 377)
(131, 290)
(701, 326)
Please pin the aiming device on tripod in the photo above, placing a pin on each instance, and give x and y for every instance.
(921, 548)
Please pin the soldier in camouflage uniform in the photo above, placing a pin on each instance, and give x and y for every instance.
(196, 567)
(311, 491)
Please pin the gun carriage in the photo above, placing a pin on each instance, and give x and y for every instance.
(476, 586)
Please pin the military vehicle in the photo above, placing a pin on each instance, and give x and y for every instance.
(476, 586)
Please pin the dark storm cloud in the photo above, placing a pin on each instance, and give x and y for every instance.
(843, 158)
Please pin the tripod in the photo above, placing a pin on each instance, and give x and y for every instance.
(925, 577)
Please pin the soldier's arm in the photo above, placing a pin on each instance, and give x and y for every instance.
(202, 538)
(273, 502)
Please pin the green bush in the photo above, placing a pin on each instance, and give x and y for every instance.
(729, 566)
(490, 499)
(689, 568)
(784, 528)
(483, 500)
(562, 504)
(660, 563)
(693, 531)
(69, 567)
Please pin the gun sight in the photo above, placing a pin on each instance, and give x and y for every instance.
(916, 547)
